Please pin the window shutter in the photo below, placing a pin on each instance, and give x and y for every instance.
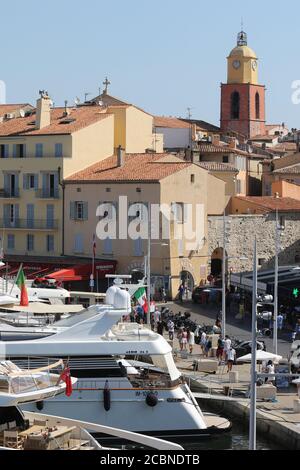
(56, 181)
(45, 184)
(58, 150)
(25, 181)
(72, 210)
(16, 211)
(78, 248)
(6, 148)
(17, 183)
(6, 211)
(24, 150)
(14, 151)
(185, 213)
(6, 182)
(85, 210)
(30, 215)
(36, 181)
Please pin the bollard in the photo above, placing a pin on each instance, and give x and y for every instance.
(297, 406)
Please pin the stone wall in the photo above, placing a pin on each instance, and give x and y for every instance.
(241, 230)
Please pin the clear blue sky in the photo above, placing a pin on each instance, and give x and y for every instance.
(162, 55)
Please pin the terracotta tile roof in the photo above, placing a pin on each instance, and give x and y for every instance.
(203, 125)
(108, 100)
(170, 122)
(146, 167)
(216, 166)
(11, 108)
(80, 117)
(286, 146)
(266, 137)
(292, 169)
(270, 203)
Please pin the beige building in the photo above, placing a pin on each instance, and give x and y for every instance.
(281, 169)
(41, 147)
(144, 179)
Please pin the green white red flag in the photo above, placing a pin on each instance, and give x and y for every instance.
(140, 296)
(20, 281)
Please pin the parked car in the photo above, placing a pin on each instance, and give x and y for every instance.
(199, 293)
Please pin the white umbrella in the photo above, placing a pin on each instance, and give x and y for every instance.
(260, 356)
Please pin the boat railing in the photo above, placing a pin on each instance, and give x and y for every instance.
(29, 379)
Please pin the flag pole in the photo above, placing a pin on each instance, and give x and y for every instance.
(21, 266)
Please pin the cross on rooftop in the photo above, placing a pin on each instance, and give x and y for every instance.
(106, 83)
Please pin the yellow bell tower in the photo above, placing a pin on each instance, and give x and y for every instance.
(242, 63)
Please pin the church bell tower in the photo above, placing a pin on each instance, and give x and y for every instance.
(242, 98)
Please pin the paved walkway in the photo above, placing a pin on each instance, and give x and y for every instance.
(276, 417)
(241, 329)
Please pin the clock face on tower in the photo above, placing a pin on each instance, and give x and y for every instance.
(236, 64)
(254, 65)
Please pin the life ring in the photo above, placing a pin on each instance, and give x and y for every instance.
(106, 397)
(39, 405)
(151, 400)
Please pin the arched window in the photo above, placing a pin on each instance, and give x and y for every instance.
(235, 105)
(257, 106)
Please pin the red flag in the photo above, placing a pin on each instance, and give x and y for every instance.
(65, 376)
(94, 245)
(24, 302)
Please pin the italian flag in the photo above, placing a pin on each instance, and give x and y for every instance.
(140, 296)
(20, 281)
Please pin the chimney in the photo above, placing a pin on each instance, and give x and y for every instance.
(232, 143)
(120, 156)
(188, 154)
(66, 111)
(43, 110)
(215, 139)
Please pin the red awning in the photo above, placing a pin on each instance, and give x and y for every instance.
(83, 272)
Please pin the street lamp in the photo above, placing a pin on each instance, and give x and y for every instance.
(149, 271)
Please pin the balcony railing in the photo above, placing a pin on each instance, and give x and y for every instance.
(9, 193)
(30, 224)
(47, 193)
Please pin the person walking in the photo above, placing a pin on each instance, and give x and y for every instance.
(171, 329)
(203, 341)
(160, 328)
(220, 349)
(227, 346)
(208, 346)
(270, 371)
(184, 339)
(156, 316)
(191, 340)
(181, 292)
(179, 337)
(280, 321)
(231, 353)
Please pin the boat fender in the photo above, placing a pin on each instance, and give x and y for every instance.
(151, 400)
(106, 396)
(40, 405)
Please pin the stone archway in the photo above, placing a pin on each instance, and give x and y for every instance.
(217, 262)
(188, 279)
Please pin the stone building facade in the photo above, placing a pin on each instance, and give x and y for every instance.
(240, 232)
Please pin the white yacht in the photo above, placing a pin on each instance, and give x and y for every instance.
(21, 430)
(126, 375)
